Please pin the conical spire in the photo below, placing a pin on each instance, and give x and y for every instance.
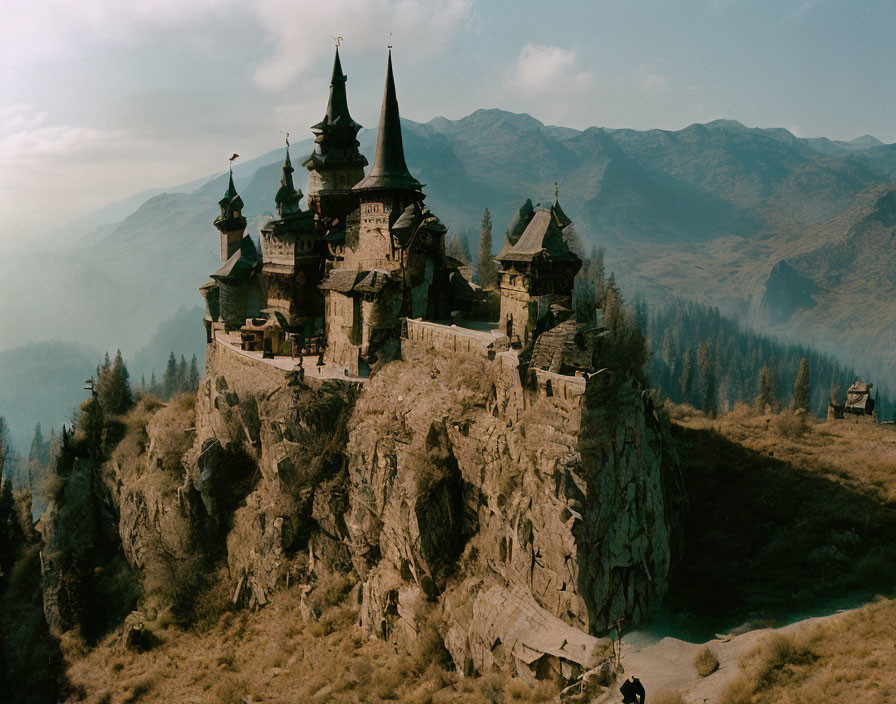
(389, 167)
(336, 135)
(287, 198)
(337, 106)
(231, 205)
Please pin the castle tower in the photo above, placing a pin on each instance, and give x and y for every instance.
(385, 192)
(230, 223)
(393, 263)
(335, 165)
(537, 272)
(291, 261)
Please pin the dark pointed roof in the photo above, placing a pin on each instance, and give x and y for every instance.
(336, 135)
(241, 265)
(561, 218)
(287, 198)
(231, 204)
(389, 167)
(519, 222)
(542, 235)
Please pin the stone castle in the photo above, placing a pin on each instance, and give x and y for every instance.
(342, 279)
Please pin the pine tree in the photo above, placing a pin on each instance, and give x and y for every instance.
(488, 275)
(802, 387)
(153, 384)
(10, 530)
(169, 380)
(708, 381)
(4, 444)
(598, 272)
(119, 399)
(194, 375)
(182, 375)
(768, 395)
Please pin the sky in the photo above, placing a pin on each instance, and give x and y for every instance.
(101, 99)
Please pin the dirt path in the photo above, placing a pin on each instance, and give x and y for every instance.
(669, 663)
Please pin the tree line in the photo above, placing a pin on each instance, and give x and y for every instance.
(700, 357)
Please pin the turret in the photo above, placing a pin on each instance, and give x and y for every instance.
(336, 163)
(287, 198)
(387, 191)
(389, 167)
(230, 223)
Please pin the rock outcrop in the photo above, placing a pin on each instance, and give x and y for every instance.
(518, 521)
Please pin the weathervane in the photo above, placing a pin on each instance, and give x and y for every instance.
(338, 41)
(389, 45)
(287, 137)
(556, 190)
(235, 156)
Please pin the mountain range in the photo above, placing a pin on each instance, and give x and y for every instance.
(795, 236)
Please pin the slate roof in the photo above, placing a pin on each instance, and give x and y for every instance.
(373, 281)
(519, 221)
(541, 235)
(241, 265)
(336, 134)
(341, 280)
(389, 168)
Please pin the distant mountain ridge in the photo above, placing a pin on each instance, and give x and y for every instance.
(706, 212)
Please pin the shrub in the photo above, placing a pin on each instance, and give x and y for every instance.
(738, 691)
(706, 662)
(774, 655)
(791, 425)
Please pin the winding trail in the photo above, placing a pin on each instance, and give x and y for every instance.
(668, 664)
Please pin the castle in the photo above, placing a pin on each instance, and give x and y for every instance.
(342, 279)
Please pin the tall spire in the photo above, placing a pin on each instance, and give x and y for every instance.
(389, 167)
(231, 207)
(287, 198)
(336, 135)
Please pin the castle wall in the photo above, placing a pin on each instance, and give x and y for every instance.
(220, 358)
(444, 338)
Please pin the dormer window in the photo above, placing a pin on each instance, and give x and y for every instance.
(236, 213)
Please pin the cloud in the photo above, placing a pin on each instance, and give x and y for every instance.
(540, 68)
(300, 36)
(53, 28)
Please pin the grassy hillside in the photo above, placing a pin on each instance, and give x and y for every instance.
(787, 516)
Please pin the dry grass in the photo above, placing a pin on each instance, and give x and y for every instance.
(850, 658)
(706, 662)
(274, 656)
(858, 454)
(667, 696)
(782, 521)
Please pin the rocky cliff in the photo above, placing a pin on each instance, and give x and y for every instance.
(517, 522)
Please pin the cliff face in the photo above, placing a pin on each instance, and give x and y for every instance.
(531, 519)
(517, 524)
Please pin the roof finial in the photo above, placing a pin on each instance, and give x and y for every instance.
(556, 190)
(338, 41)
(235, 156)
(287, 137)
(389, 45)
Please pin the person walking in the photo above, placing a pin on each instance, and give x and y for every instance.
(632, 691)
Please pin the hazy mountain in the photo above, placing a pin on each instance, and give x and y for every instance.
(43, 383)
(708, 212)
(182, 334)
